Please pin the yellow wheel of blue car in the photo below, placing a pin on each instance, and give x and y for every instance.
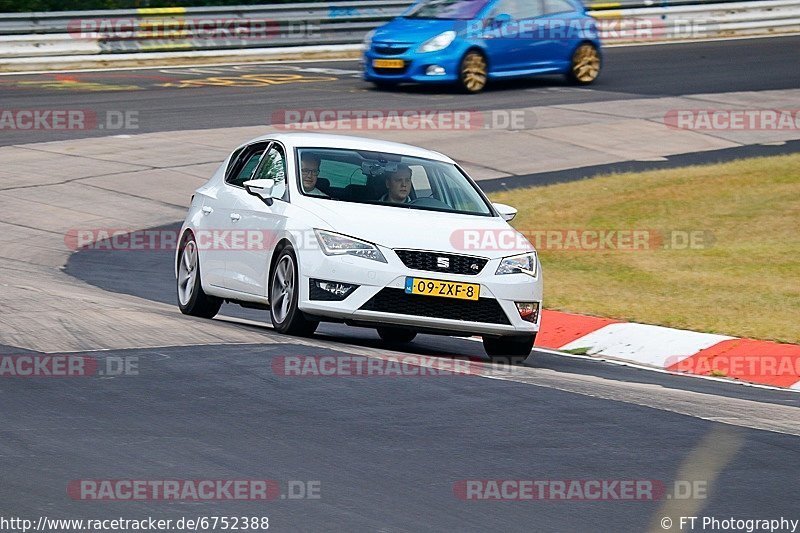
(585, 64)
(474, 72)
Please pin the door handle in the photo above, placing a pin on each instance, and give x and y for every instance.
(235, 216)
(207, 210)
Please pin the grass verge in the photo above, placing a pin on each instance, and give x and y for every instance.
(722, 252)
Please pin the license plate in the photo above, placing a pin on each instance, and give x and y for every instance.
(445, 289)
(388, 63)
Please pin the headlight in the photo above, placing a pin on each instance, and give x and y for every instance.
(368, 39)
(440, 42)
(524, 263)
(337, 244)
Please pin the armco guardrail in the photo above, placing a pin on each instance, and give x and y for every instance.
(228, 28)
(197, 28)
(704, 21)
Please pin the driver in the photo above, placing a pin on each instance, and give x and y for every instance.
(309, 172)
(399, 185)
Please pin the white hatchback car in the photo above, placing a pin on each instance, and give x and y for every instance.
(320, 227)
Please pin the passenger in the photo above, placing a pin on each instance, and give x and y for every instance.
(309, 172)
(399, 185)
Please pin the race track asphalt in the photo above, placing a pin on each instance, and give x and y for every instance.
(214, 97)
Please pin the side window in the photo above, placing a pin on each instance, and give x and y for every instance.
(244, 165)
(502, 7)
(552, 7)
(517, 9)
(273, 167)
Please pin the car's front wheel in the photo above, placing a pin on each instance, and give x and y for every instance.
(585, 64)
(473, 72)
(192, 300)
(499, 349)
(284, 291)
(396, 335)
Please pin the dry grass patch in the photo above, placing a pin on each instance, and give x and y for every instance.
(746, 283)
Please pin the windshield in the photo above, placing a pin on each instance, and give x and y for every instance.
(447, 9)
(388, 179)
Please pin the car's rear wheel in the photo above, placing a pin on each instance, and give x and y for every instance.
(585, 64)
(396, 335)
(284, 291)
(499, 349)
(192, 300)
(473, 72)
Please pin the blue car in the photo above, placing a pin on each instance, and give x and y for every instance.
(471, 42)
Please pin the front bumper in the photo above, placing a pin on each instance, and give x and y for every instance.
(416, 66)
(373, 277)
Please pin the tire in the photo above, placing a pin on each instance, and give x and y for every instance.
(501, 349)
(284, 291)
(585, 65)
(396, 335)
(192, 300)
(473, 72)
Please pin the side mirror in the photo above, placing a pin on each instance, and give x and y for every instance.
(260, 188)
(506, 211)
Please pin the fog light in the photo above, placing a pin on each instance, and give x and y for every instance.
(435, 70)
(329, 290)
(528, 311)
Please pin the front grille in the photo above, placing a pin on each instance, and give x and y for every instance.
(390, 50)
(399, 302)
(435, 262)
(391, 71)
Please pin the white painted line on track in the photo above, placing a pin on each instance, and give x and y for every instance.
(178, 67)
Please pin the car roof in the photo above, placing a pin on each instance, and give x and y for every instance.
(325, 140)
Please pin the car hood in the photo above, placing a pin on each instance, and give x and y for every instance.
(396, 227)
(411, 31)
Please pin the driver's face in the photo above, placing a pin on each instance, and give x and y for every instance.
(399, 187)
(309, 171)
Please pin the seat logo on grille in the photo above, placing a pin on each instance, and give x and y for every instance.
(443, 262)
(475, 267)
